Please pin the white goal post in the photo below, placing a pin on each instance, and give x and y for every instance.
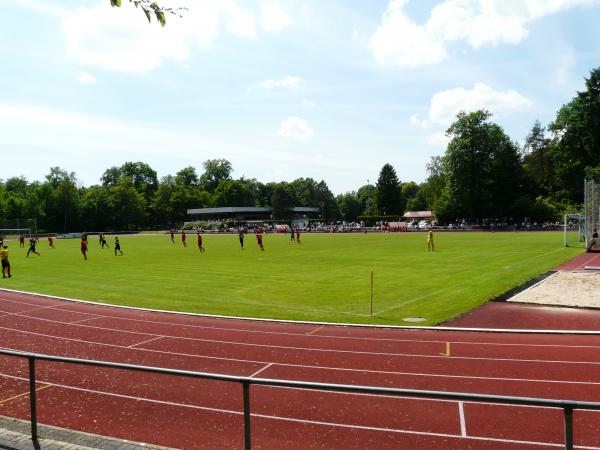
(574, 230)
(15, 232)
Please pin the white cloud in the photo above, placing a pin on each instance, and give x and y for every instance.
(308, 103)
(121, 39)
(438, 139)
(273, 17)
(446, 104)
(295, 128)
(400, 41)
(421, 123)
(287, 82)
(86, 78)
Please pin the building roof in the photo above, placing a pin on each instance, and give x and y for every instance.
(229, 209)
(419, 214)
(304, 209)
(247, 209)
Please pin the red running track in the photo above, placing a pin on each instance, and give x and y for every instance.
(167, 411)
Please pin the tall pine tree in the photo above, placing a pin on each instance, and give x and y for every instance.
(389, 198)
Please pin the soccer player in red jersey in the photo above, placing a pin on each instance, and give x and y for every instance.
(183, 238)
(172, 235)
(22, 241)
(51, 241)
(298, 235)
(84, 247)
(200, 243)
(259, 238)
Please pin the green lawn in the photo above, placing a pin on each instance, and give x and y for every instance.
(326, 278)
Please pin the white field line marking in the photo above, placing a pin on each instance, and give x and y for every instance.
(303, 421)
(481, 280)
(262, 369)
(461, 415)
(325, 336)
(532, 286)
(144, 342)
(305, 366)
(307, 322)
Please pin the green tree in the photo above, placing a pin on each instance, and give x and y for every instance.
(576, 144)
(150, 9)
(305, 191)
(350, 206)
(282, 201)
(482, 168)
(536, 159)
(435, 183)
(95, 209)
(234, 193)
(389, 198)
(215, 171)
(326, 201)
(187, 177)
(128, 206)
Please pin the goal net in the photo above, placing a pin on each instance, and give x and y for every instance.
(14, 233)
(574, 230)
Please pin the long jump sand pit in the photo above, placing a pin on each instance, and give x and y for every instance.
(580, 289)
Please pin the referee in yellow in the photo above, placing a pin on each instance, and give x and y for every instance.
(430, 247)
(5, 263)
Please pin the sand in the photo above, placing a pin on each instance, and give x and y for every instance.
(564, 289)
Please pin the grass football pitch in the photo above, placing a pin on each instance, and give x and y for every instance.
(326, 278)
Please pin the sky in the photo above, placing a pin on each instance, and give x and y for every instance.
(283, 89)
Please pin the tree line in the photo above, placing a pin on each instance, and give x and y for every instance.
(483, 176)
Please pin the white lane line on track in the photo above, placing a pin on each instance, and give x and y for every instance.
(75, 322)
(304, 421)
(307, 322)
(262, 369)
(244, 344)
(276, 333)
(305, 366)
(7, 313)
(585, 263)
(333, 350)
(144, 342)
(461, 415)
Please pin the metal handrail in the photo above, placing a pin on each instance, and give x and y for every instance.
(566, 405)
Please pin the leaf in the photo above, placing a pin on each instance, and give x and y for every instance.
(160, 16)
(148, 15)
(116, 3)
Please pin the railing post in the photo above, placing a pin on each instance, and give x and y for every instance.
(32, 398)
(568, 427)
(247, 436)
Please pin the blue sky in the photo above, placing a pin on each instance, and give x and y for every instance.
(328, 89)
